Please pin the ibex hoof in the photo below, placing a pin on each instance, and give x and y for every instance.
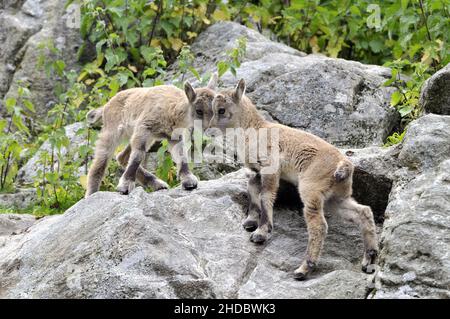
(258, 237)
(189, 183)
(159, 185)
(300, 276)
(368, 264)
(250, 225)
(125, 187)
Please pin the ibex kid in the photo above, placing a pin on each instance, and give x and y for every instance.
(144, 116)
(322, 174)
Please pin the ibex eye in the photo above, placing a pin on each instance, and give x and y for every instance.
(222, 111)
(199, 112)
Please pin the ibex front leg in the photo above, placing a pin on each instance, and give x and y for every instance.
(254, 205)
(269, 188)
(179, 156)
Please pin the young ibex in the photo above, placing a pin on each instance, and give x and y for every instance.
(322, 174)
(144, 116)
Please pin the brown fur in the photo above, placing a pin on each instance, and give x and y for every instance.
(322, 174)
(144, 116)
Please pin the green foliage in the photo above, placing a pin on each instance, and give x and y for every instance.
(371, 31)
(406, 98)
(234, 57)
(137, 37)
(185, 60)
(407, 94)
(395, 138)
(166, 169)
(14, 136)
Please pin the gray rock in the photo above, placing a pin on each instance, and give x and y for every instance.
(435, 94)
(16, 29)
(375, 170)
(12, 224)
(342, 101)
(416, 238)
(426, 143)
(414, 260)
(32, 8)
(22, 198)
(212, 45)
(176, 243)
(21, 33)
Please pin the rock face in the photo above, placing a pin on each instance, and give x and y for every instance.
(416, 233)
(416, 238)
(435, 94)
(24, 26)
(341, 101)
(175, 243)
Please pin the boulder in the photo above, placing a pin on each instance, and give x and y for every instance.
(344, 102)
(435, 93)
(176, 243)
(22, 198)
(24, 27)
(426, 143)
(414, 260)
(212, 45)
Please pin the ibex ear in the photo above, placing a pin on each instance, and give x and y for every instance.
(190, 92)
(213, 81)
(239, 92)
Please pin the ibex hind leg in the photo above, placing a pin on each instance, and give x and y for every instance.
(362, 215)
(142, 175)
(105, 146)
(140, 143)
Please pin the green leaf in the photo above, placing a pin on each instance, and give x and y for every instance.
(3, 124)
(148, 53)
(29, 105)
(147, 83)
(194, 72)
(167, 27)
(355, 10)
(10, 104)
(59, 66)
(376, 45)
(17, 121)
(396, 97)
(222, 67)
(404, 4)
(405, 110)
